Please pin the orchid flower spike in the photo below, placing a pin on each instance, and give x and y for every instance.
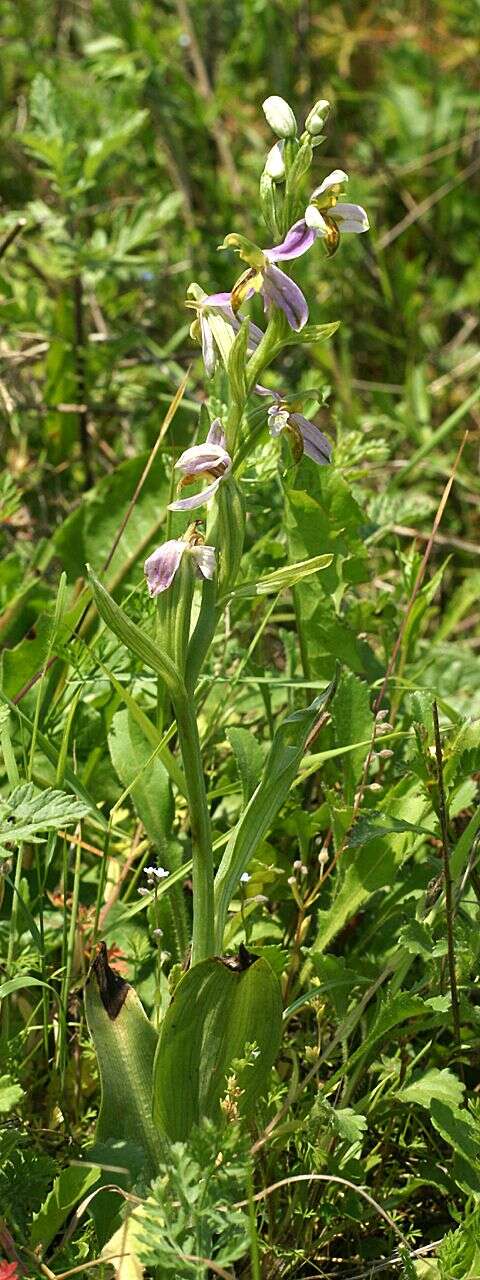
(162, 565)
(325, 217)
(306, 437)
(203, 460)
(204, 329)
(262, 276)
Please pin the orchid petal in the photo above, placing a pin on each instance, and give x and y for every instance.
(202, 457)
(334, 179)
(277, 420)
(315, 221)
(350, 217)
(208, 347)
(219, 300)
(216, 435)
(204, 560)
(315, 444)
(279, 291)
(162, 565)
(297, 241)
(197, 500)
(267, 391)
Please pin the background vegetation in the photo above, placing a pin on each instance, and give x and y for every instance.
(132, 142)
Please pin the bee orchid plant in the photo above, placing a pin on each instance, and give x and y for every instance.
(219, 1007)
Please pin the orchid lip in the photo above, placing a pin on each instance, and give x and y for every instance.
(162, 565)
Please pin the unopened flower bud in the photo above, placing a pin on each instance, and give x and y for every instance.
(375, 786)
(385, 754)
(317, 116)
(275, 163)
(297, 864)
(386, 727)
(244, 878)
(381, 715)
(303, 870)
(323, 857)
(280, 117)
(292, 880)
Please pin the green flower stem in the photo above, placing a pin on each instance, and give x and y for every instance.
(203, 915)
(267, 349)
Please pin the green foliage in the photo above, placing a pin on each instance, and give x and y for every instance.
(68, 1189)
(28, 811)
(123, 167)
(191, 1208)
(216, 1011)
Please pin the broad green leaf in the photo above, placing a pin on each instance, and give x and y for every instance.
(436, 1083)
(151, 790)
(67, 1191)
(29, 811)
(278, 775)
(10, 1094)
(133, 637)
(353, 720)
(366, 869)
(249, 758)
(462, 1132)
(152, 796)
(215, 1014)
(125, 1044)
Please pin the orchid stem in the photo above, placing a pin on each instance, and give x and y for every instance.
(203, 917)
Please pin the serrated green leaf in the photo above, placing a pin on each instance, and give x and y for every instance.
(436, 1083)
(29, 811)
(377, 825)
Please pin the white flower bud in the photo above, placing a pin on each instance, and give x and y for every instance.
(244, 878)
(297, 865)
(317, 116)
(385, 754)
(323, 857)
(275, 164)
(375, 786)
(280, 117)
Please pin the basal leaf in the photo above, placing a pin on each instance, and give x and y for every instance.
(216, 1012)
